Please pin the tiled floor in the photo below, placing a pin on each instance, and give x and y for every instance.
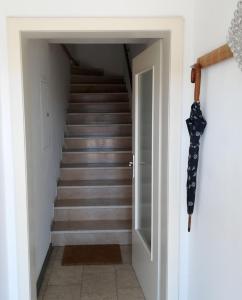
(114, 282)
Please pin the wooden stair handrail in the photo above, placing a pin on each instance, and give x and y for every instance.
(218, 55)
(69, 55)
(126, 53)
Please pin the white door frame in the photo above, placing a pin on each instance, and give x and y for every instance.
(171, 29)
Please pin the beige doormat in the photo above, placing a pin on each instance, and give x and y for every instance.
(92, 255)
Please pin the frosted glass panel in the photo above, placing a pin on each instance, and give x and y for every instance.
(144, 160)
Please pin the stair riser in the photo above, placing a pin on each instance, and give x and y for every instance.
(95, 174)
(96, 157)
(98, 107)
(114, 143)
(99, 118)
(97, 88)
(93, 192)
(93, 213)
(114, 130)
(102, 97)
(91, 238)
(95, 79)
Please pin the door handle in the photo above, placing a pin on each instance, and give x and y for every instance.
(131, 164)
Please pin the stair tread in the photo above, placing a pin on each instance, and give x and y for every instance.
(97, 83)
(92, 225)
(100, 113)
(99, 125)
(102, 76)
(95, 93)
(100, 93)
(98, 137)
(83, 136)
(91, 183)
(98, 103)
(92, 202)
(94, 165)
(99, 150)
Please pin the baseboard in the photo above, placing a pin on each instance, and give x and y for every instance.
(43, 269)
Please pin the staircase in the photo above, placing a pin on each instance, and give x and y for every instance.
(94, 198)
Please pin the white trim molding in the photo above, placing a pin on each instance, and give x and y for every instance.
(171, 29)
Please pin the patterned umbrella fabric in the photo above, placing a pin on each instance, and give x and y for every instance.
(196, 125)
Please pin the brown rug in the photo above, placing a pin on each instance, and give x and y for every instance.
(92, 255)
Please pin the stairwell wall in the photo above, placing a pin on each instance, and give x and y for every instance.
(108, 57)
(46, 72)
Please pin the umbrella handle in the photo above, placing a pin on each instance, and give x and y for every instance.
(196, 78)
(189, 222)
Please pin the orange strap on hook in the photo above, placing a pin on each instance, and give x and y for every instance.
(196, 79)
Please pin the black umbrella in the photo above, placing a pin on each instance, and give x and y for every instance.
(196, 125)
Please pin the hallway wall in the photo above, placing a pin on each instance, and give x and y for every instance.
(215, 266)
(45, 66)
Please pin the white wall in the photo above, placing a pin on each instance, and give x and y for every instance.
(3, 248)
(75, 8)
(42, 61)
(215, 266)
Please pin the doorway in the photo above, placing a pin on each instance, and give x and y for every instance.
(169, 29)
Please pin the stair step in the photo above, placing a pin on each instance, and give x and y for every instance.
(95, 171)
(100, 202)
(101, 237)
(96, 156)
(98, 107)
(93, 183)
(93, 190)
(96, 150)
(88, 213)
(99, 97)
(100, 130)
(98, 142)
(91, 232)
(85, 71)
(94, 165)
(96, 79)
(97, 87)
(102, 225)
(99, 118)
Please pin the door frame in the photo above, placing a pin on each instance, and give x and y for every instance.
(171, 30)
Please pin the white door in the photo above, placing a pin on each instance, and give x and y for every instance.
(147, 152)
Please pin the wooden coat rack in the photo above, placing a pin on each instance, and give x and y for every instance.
(218, 55)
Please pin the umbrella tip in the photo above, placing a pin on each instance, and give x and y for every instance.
(189, 222)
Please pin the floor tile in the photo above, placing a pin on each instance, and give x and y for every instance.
(58, 252)
(126, 252)
(99, 269)
(99, 297)
(65, 275)
(124, 267)
(130, 294)
(70, 292)
(126, 279)
(98, 284)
